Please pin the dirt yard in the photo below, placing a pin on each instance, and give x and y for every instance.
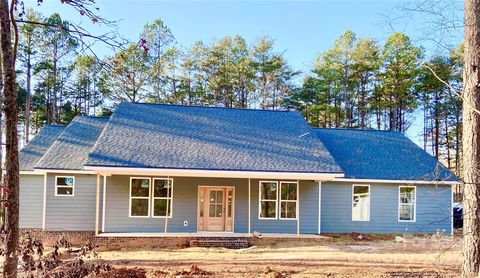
(344, 256)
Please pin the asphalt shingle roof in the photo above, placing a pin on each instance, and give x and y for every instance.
(194, 137)
(36, 148)
(71, 148)
(372, 154)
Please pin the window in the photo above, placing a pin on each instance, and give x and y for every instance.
(268, 199)
(406, 203)
(361, 203)
(64, 186)
(139, 197)
(162, 197)
(216, 203)
(288, 200)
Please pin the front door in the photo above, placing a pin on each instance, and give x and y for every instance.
(215, 208)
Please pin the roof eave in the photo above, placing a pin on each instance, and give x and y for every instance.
(105, 170)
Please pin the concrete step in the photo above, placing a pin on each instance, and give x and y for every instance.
(226, 242)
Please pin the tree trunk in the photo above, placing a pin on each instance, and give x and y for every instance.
(447, 143)
(471, 140)
(55, 87)
(11, 121)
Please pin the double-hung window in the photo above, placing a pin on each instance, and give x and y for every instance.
(64, 185)
(406, 203)
(278, 202)
(268, 200)
(162, 198)
(361, 203)
(140, 197)
(288, 200)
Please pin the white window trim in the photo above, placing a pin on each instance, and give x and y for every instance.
(64, 186)
(260, 201)
(414, 203)
(369, 202)
(148, 198)
(162, 198)
(287, 201)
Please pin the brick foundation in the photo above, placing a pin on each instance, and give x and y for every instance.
(299, 241)
(49, 238)
(109, 243)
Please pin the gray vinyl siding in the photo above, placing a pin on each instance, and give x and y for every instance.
(185, 193)
(31, 201)
(433, 210)
(75, 213)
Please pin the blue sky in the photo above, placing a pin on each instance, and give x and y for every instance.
(301, 29)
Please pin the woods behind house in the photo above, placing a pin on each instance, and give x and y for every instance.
(357, 83)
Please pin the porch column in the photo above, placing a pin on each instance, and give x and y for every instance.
(319, 207)
(104, 202)
(249, 207)
(44, 213)
(97, 205)
(298, 208)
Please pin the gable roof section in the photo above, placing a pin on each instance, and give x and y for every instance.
(210, 138)
(389, 155)
(36, 148)
(71, 148)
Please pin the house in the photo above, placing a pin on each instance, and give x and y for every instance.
(154, 169)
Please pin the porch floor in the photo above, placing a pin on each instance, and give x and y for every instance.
(212, 234)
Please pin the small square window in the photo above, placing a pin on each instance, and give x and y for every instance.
(64, 186)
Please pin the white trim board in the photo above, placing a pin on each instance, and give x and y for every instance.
(319, 207)
(31, 173)
(44, 216)
(213, 173)
(104, 202)
(60, 171)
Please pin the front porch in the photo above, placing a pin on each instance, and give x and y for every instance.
(159, 207)
(215, 235)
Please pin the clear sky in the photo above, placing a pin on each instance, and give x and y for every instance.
(300, 28)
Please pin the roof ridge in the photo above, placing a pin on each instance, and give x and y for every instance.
(55, 125)
(357, 129)
(92, 117)
(205, 106)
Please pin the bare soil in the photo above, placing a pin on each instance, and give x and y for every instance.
(344, 256)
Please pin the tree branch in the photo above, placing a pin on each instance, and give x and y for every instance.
(452, 89)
